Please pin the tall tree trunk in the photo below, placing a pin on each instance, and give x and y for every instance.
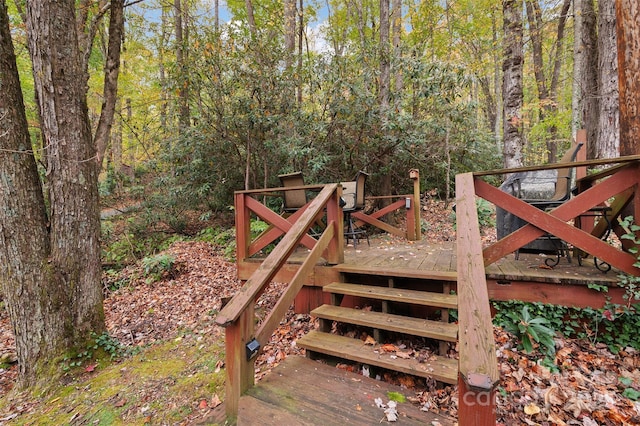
(585, 90)
(184, 115)
(385, 73)
(607, 142)
(51, 268)
(111, 71)
(497, 125)
(628, 40)
(216, 15)
(289, 30)
(300, 44)
(162, 73)
(251, 20)
(512, 88)
(396, 28)
(87, 28)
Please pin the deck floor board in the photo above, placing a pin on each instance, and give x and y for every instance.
(423, 257)
(304, 392)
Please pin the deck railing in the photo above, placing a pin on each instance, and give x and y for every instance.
(242, 340)
(247, 204)
(614, 188)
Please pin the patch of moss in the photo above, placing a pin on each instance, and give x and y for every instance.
(161, 384)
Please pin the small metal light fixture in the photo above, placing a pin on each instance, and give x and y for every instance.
(252, 349)
(407, 203)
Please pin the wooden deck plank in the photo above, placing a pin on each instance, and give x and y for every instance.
(440, 368)
(400, 324)
(304, 392)
(395, 294)
(397, 271)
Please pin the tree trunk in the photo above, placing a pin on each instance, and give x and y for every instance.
(585, 90)
(183, 81)
(251, 20)
(385, 72)
(111, 71)
(396, 27)
(289, 30)
(512, 88)
(607, 143)
(628, 40)
(300, 39)
(50, 269)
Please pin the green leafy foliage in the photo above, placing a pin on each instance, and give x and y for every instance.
(100, 344)
(530, 330)
(614, 325)
(158, 266)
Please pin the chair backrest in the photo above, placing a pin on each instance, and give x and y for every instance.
(361, 180)
(565, 176)
(296, 198)
(353, 192)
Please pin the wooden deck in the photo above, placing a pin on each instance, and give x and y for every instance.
(526, 279)
(304, 392)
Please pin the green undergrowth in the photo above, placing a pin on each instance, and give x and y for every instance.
(165, 383)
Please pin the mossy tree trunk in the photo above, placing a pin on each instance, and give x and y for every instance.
(49, 264)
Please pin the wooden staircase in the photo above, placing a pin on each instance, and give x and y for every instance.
(396, 311)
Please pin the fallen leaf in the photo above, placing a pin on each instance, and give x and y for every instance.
(215, 401)
(531, 409)
(203, 404)
(388, 347)
(91, 368)
(120, 403)
(554, 396)
(370, 341)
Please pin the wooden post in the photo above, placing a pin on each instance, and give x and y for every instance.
(478, 365)
(475, 407)
(243, 227)
(335, 215)
(414, 174)
(239, 371)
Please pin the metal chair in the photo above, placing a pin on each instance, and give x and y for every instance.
(563, 182)
(353, 199)
(563, 186)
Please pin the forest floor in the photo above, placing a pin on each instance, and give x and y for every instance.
(168, 367)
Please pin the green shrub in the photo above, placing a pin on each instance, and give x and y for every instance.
(529, 329)
(155, 267)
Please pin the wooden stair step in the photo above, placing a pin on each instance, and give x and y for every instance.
(440, 368)
(397, 323)
(422, 274)
(440, 300)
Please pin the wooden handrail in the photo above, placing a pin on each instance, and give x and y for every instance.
(478, 365)
(286, 299)
(552, 166)
(238, 315)
(269, 267)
